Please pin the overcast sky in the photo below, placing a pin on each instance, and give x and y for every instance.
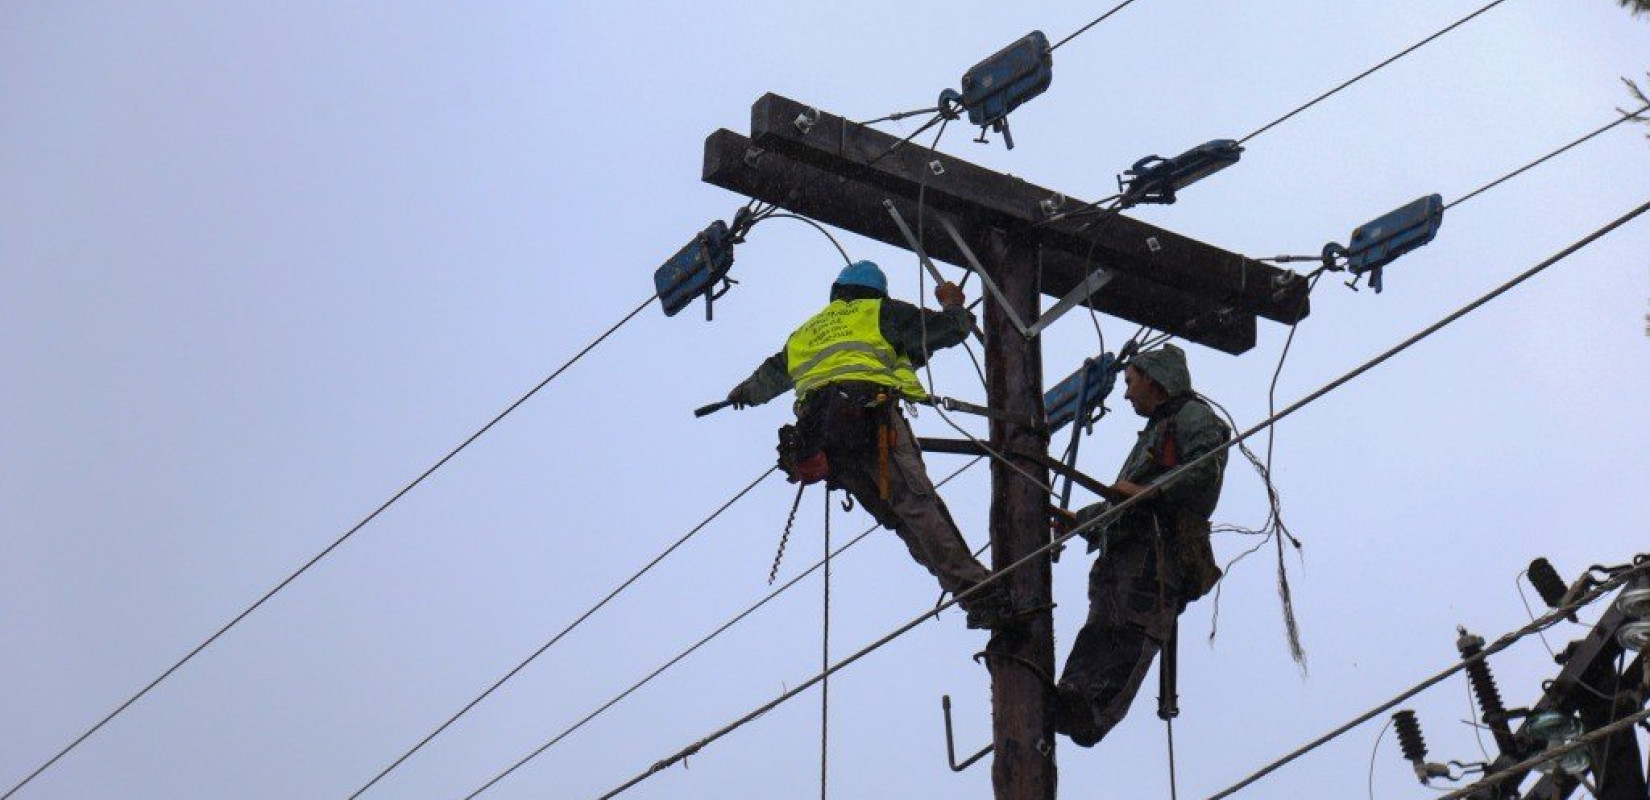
(261, 264)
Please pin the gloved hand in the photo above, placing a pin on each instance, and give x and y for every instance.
(949, 294)
(740, 397)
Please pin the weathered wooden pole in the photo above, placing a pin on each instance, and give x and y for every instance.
(1023, 766)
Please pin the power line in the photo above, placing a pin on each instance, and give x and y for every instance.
(1118, 509)
(1085, 28)
(1366, 73)
(569, 629)
(325, 552)
(1521, 170)
(1547, 620)
(740, 617)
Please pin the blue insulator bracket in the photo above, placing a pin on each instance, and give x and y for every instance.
(696, 270)
(1080, 394)
(1155, 179)
(1002, 83)
(1382, 240)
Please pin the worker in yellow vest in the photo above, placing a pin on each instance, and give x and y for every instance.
(850, 365)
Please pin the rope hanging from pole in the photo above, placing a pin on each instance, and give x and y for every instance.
(825, 659)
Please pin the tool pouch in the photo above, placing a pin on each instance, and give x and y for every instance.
(801, 462)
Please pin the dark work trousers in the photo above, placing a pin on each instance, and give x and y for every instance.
(1131, 614)
(913, 509)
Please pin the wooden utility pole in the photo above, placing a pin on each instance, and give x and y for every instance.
(1022, 656)
(821, 166)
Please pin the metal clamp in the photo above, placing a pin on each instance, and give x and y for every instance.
(806, 120)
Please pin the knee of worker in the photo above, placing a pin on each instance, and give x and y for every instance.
(919, 553)
(1105, 654)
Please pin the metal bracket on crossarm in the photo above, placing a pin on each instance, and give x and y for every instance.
(1084, 289)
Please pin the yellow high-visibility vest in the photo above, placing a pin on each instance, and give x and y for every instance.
(845, 343)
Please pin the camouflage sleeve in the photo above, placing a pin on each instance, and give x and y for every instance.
(1197, 432)
(904, 326)
(770, 379)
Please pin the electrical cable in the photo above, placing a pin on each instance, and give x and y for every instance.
(1521, 170)
(325, 551)
(817, 226)
(1547, 620)
(1165, 480)
(825, 656)
(696, 645)
(1528, 609)
(1372, 752)
(1360, 76)
(1085, 28)
(558, 637)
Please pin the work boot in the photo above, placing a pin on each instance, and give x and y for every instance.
(1074, 718)
(990, 609)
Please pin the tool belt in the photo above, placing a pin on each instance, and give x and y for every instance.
(845, 418)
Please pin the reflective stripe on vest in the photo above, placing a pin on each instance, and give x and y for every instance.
(845, 342)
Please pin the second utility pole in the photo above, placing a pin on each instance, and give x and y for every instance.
(1023, 654)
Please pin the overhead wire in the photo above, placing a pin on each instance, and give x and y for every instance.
(735, 620)
(1167, 479)
(315, 559)
(1374, 750)
(1097, 21)
(1366, 73)
(1521, 170)
(1547, 620)
(817, 226)
(542, 649)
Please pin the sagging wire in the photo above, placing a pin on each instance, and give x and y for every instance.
(736, 619)
(1374, 750)
(324, 552)
(1528, 609)
(817, 226)
(542, 649)
(1173, 476)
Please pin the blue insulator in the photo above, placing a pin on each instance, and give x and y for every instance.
(1001, 83)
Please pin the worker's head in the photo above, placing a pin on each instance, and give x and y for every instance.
(860, 280)
(1154, 377)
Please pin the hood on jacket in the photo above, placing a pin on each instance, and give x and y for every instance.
(1167, 366)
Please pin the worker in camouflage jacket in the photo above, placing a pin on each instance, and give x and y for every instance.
(850, 365)
(1155, 559)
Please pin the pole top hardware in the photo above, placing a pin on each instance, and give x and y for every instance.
(701, 264)
(1076, 398)
(1000, 84)
(1155, 179)
(1382, 240)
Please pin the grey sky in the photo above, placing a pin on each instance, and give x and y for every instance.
(263, 263)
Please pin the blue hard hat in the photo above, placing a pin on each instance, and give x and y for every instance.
(863, 273)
